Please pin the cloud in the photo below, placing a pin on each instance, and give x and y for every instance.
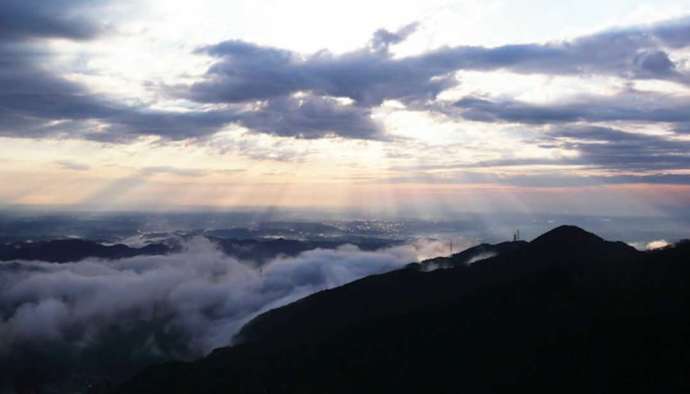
(36, 101)
(22, 19)
(637, 52)
(39, 105)
(562, 180)
(658, 244)
(627, 106)
(128, 123)
(303, 116)
(185, 172)
(583, 155)
(245, 71)
(71, 165)
(283, 93)
(383, 38)
(651, 156)
(655, 63)
(159, 307)
(312, 117)
(615, 149)
(554, 178)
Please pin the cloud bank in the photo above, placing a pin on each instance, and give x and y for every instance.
(138, 310)
(245, 71)
(60, 18)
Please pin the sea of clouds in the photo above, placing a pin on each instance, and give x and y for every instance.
(175, 306)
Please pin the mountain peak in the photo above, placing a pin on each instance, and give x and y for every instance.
(567, 234)
(572, 242)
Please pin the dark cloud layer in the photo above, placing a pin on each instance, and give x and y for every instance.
(636, 52)
(609, 148)
(566, 180)
(21, 19)
(618, 156)
(311, 117)
(463, 175)
(572, 125)
(245, 71)
(630, 106)
(37, 102)
(615, 149)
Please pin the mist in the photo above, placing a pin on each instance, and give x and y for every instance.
(152, 308)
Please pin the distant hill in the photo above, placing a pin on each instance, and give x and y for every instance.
(66, 250)
(262, 251)
(259, 251)
(568, 312)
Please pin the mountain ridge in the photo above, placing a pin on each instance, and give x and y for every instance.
(535, 256)
(72, 250)
(532, 319)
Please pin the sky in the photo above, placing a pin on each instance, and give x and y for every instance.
(401, 107)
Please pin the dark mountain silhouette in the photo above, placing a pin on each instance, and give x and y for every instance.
(259, 251)
(468, 256)
(262, 251)
(66, 250)
(567, 312)
(579, 243)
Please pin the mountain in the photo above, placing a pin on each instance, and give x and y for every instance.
(66, 250)
(259, 251)
(262, 251)
(581, 244)
(468, 256)
(568, 312)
